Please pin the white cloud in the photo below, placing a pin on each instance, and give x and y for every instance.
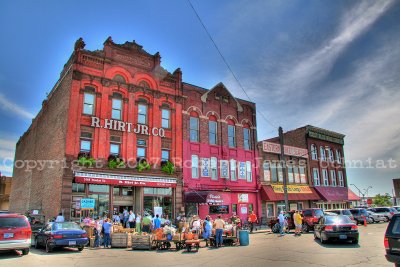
(9, 106)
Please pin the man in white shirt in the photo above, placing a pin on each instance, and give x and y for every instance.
(281, 218)
(60, 218)
(131, 219)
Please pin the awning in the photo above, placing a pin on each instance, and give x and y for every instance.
(211, 197)
(268, 193)
(329, 193)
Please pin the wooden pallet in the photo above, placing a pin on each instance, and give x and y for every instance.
(121, 240)
(142, 242)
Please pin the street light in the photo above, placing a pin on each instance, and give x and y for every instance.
(361, 193)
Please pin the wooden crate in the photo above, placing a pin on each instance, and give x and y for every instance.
(91, 243)
(142, 242)
(121, 240)
(89, 230)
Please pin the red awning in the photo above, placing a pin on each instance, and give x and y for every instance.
(328, 193)
(268, 194)
(211, 197)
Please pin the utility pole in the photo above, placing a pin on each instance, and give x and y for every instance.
(283, 161)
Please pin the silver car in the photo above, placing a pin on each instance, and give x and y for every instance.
(385, 211)
(375, 217)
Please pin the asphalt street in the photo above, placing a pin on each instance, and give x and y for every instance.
(265, 249)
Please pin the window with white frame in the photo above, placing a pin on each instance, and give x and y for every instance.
(212, 132)
(233, 169)
(214, 168)
(274, 173)
(116, 112)
(267, 172)
(246, 138)
(231, 136)
(314, 153)
(296, 174)
(195, 166)
(333, 178)
(88, 103)
(142, 113)
(325, 177)
(166, 117)
(290, 174)
(322, 153)
(338, 156)
(316, 176)
(249, 173)
(341, 179)
(331, 156)
(280, 173)
(303, 178)
(194, 129)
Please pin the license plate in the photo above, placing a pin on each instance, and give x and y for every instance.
(72, 243)
(343, 236)
(8, 235)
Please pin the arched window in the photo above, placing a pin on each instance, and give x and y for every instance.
(142, 111)
(116, 112)
(89, 100)
(212, 130)
(314, 153)
(246, 137)
(194, 127)
(331, 156)
(231, 134)
(144, 84)
(322, 153)
(119, 78)
(338, 156)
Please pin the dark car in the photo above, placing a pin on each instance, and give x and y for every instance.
(15, 233)
(339, 227)
(392, 240)
(359, 215)
(275, 226)
(65, 234)
(310, 218)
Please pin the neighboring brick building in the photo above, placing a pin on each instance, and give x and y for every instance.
(110, 104)
(219, 140)
(5, 189)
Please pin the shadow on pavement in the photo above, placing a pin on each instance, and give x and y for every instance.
(11, 254)
(338, 244)
(56, 251)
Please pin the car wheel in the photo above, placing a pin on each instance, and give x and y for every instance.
(49, 248)
(276, 228)
(80, 248)
(25, 251)
(305, 228)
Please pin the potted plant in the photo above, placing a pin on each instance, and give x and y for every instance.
(168, 167)
(85, 160)
(143, 165)
(115, 162)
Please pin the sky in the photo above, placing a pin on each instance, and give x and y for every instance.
(331, 64)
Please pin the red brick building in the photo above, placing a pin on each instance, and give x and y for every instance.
(219, 144)
(111, 105)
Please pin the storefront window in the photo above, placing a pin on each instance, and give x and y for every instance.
(300, 206)
(127, 191)
(191, 209)
(221, 209)
(116, 191)
(78, 187)
(99, 188)
(234, 208)
(101, 204)
(270, 210)
(158, 197)
(250, 208)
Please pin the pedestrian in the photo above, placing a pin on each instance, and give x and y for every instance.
(252, 220)
(60, 218)
(196, 224)
(207, 227)
(156, 223)
(126, 217)
(281, 218)
(131, 219)
(96, 233)
(298, 222)
(219, 225)
(138, 223)
(107, 230)
(146, 224)
(116, 218)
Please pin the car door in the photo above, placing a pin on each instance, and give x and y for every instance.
(39, 236)
(393, 235)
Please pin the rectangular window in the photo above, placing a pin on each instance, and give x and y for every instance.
(296, 174)
(194, 129)
(164, 155)
(141, 152)
(88, 103)
(78, 187)
(303, 178)
(224, 169)
(322, 153)
(280, 173)
(325, 177)
(341, 180)
(290, 174)
(231, 136)
(142, 114)
(234, 208)
(246, 138)
(212, 132)
(316, 176)
(333, 178)
(165, 122)
(214, 168)
(86, 145)
(249, 172)
(116, 191)
(314, 154)
(116, 112)
(338, 156)
(267, 172)
(114, 149)
(331, 156)
(233, 169)
(195, 166)
(222, 209)
(274, 174)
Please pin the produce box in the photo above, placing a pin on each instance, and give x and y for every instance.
(142, 241)
(89, 230)
(121, 240)
(91, 243)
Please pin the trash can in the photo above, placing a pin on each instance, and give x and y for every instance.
(244, 239)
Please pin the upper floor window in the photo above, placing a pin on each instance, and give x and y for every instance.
(296, 174)
(116, 112)
(141, 149)
(166, 117)
(338, 156)
(290, 174)
(249, 173)
(233, 169)
(195, 166)
(88, 103)
(142, 113)
(86, 142)
(303, 178)
(194, 129)
(280, 173)
(316, 176)
(322, 153)
(246, 138)
(331, 156)
(214, 168)
(231, 135)
(333, 177)
(325, 177)
(314, 153)
(114, 149)
(274, 175)
(341, 179)
(212, 131)
(164, 155)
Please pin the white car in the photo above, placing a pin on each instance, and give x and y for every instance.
(375, 217)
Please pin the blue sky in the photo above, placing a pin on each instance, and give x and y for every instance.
(332, 64)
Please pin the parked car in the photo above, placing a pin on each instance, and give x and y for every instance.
(310, 218)
(392, 240)
(327, 213)
(276, 227)
(341, 212)
(376, 217)
(15, 232)
(385, 211)
(396, 208)
(339, 227)
(359, 215)
(66, 234)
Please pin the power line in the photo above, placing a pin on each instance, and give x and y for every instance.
(228, 66)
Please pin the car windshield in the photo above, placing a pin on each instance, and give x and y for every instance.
(12, 222)
(396, 225)
(66, 226)
(382, 210)
(346, 212)
(393, 210)
(319, 213)
(337, 220)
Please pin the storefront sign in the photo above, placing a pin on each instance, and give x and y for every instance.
(124, 180)
(293, 206)
(242, 170)
(205, 167)
(122, 126)
(87, 203)
(294, 189)
(243, 198)
(217, 198)
(325, 137)
(269, 147)
(224, 168)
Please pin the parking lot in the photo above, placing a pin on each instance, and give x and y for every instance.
(265, 249)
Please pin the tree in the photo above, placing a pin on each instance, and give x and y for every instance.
(383, 200)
